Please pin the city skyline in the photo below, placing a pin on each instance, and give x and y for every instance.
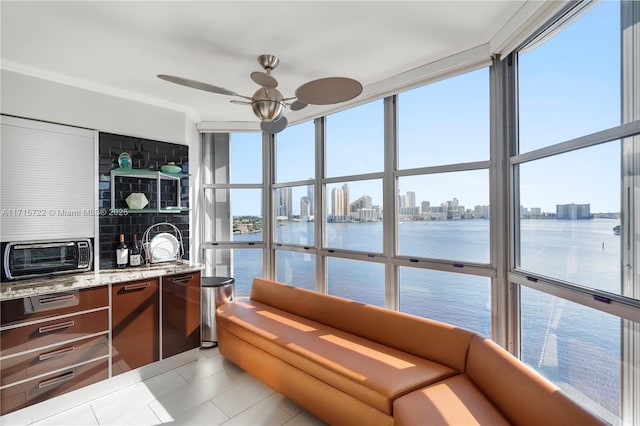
(473, 185)
(341, 208)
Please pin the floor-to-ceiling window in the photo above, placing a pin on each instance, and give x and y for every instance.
(442, 211)
(570, 210)
(294, 206)
(388, 203)
(233, 240)
(352, 188)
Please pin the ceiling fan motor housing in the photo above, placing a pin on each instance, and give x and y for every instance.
(267, 104)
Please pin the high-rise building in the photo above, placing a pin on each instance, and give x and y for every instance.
(337, 202)
(573, 211)
(481, 212)
(363, 202)
(340, 201)
(283, 202)
(407, 204)
(424, 207)
(345, 199)
(453, 209)
(305, 207)
(310, 198)
(410, 199)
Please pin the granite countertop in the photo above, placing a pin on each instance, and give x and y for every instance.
(32, 287)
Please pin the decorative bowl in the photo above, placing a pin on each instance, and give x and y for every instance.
(171, 168)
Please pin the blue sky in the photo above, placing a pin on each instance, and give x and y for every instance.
(569, 86)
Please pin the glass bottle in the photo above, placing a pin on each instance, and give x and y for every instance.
(134, 252)
(122, 253)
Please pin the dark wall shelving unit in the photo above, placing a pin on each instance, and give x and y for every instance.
(146, 155)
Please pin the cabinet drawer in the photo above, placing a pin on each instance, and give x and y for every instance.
(21, 367)
(50, 305)
(53, 331)
(46, 387)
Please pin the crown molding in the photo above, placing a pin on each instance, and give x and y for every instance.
(524, 23)
(98, 88)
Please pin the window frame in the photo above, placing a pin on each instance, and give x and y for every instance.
(628, 133)
(503, 165)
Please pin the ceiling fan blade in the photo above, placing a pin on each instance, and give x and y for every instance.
(297, 105)
(330, 90)
(197, 85)
(264, 79)
(274, 126)
(239, 102)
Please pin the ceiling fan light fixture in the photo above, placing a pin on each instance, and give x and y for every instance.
(267, 104)
(274, 126)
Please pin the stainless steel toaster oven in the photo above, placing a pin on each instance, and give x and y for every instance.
(30, 259)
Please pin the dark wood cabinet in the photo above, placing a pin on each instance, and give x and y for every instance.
(180, 313)
(54, 343)
(135, 332)
(51, 344)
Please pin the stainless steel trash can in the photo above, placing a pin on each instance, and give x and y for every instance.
(216, 291)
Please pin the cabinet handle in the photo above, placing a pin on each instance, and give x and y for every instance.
(44, 245)
(56, 327)
(56, 380)
(136, 286)
(181, 280)
(57, 299)
(53, 354)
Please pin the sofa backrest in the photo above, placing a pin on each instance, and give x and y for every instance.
(520, 393)
(446, 345)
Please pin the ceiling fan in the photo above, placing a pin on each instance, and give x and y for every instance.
(267, 102)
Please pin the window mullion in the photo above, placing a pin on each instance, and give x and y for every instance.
(320, 202)
(498, 198)
(389, 185)
(630, 41)
(268, 222)
(217, 225)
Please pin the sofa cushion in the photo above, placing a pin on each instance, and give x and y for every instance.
(446, 345)
(520, 393)
(325, 401)
(371, 372)
(454, 401)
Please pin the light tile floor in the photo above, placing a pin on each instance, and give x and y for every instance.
(209, 391)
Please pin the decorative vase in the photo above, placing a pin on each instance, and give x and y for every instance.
(124, 160)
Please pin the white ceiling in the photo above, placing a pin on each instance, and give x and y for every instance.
(120, 47)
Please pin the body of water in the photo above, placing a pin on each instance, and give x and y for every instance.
(576, 347)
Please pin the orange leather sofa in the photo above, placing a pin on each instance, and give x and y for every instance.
(355, 364)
